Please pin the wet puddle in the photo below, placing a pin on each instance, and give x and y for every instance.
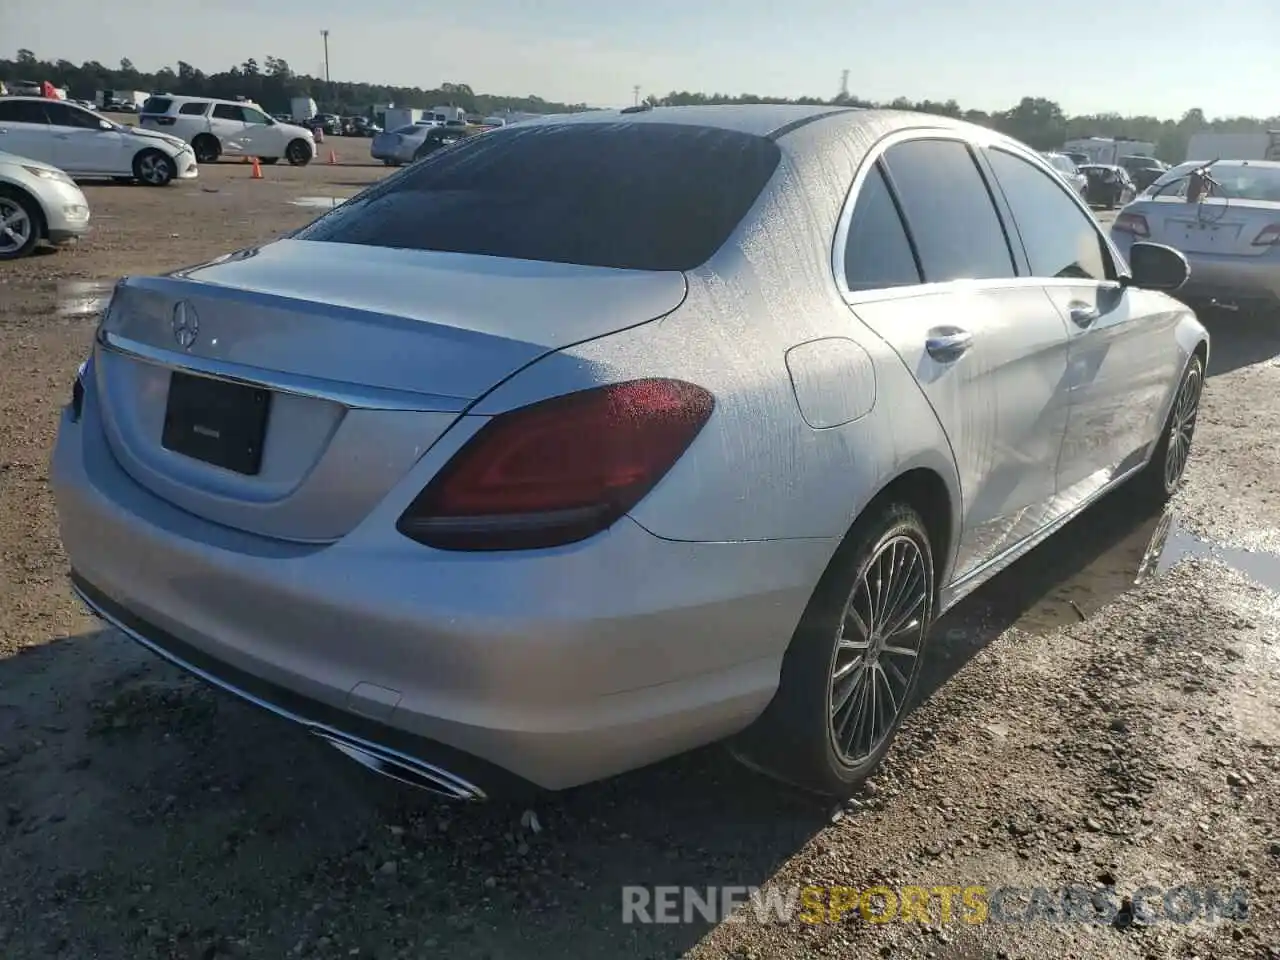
(1089, 563)
(320, 203)
(83, 298)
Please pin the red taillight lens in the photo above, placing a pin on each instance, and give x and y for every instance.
(560, 470)
(1134, 223)
(1269, 236)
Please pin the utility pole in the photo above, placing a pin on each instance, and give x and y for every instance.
(325, 34)
(636, 91)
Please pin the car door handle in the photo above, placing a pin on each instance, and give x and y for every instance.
(62, 136)
(1082, 314)
(949, 345)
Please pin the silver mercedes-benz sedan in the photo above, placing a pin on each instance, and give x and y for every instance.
(592, 440)
(1229, 235)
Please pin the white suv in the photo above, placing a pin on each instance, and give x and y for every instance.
(233, 127)
(86, 144)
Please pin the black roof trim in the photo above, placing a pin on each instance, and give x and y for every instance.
(786, 128)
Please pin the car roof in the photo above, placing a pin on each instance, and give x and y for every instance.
(760, 119)
(772, 120)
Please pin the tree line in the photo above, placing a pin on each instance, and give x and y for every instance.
(1037, 121)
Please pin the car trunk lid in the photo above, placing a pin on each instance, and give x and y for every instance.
(1212, 227)
(361, 358)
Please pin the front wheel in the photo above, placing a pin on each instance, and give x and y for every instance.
(19, 224)
(154, 168)
(1167, 468)
(853, 665)
(298, 153)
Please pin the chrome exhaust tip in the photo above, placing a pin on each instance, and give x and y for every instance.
(404, 769)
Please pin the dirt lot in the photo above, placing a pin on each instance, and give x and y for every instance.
(1077, 728)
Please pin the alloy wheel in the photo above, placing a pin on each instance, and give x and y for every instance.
(1182, 425)
(15, 226)
(154, 169)
(878, 647)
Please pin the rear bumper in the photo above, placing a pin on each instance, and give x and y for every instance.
(556, 667)
(455, 773)
(1225, 278)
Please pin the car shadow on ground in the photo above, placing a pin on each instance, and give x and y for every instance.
(145, 781)
(1239, 339)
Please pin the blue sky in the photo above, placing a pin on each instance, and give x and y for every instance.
(984, 54)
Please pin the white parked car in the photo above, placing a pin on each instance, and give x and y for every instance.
(86, 144)
(37, 202)
(217, 127)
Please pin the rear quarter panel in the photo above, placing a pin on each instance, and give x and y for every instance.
(759, 471)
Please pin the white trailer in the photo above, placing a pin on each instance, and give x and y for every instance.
(1234, 146)
(443, 115)
(302, 108)
(113, 98)
(1108, 150)
(393, 118)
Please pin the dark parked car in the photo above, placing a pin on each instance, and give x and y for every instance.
(1144, 171)
(328, 122)
(358, 127)
(1109, 185)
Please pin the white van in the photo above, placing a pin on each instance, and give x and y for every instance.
(232, 127)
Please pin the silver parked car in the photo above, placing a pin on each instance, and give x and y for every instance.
(594, 439)
(1230, 236)
(37, 202)
(407, 144)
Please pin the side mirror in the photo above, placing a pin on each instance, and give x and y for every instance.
(106, 125)
(1153, 266)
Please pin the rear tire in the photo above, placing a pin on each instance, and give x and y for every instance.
(153, 168)
(1163, 475)
(207, 148)
(851, 670)
(21, 223)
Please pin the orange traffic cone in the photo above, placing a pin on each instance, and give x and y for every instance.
(333, 156)
(257, 170)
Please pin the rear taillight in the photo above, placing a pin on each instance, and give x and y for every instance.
(558, 471)
(1269, 236)
(1134, 223)
(77, 393)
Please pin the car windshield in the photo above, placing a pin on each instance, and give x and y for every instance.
(1235, 181)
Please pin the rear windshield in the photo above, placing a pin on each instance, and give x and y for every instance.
(640, 196)
(1234, 181)
(157, 105)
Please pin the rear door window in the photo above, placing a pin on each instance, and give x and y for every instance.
(878, 253)
(227, 111)
(193, 109)
(949, 211)
(641, 196)
(61, 115)
(22, 111)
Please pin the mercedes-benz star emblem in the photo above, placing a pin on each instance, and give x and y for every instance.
(186, 325)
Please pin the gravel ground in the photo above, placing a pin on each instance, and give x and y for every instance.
(1076, 728)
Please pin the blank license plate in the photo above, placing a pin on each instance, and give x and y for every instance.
(218, 422)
